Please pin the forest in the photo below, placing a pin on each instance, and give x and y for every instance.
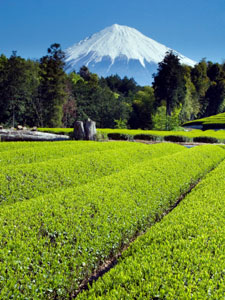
(40, 93)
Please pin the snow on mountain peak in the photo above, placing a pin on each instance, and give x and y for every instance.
(118, 42)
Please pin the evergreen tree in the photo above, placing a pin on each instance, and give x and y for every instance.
(18, 89)
(201, 82)
(124, 87)
(169, 83)
(3, 92)
(214, 72)
(52, 90)
(215, 98)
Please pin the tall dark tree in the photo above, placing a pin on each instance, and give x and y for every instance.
(215, 98)
(169, 83)
(215, 72)
(201, 82)
(18, 87)
(52, 91)
(3, 92)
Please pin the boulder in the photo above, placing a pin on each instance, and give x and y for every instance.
(90, 130)
(79, 133)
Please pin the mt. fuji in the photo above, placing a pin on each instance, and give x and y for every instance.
(120, 50)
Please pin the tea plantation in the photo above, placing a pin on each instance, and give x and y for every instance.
(67, 209)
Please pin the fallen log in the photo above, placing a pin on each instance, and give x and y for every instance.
(10, 135)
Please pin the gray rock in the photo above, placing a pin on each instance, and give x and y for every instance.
(79, 133)
(90, 130)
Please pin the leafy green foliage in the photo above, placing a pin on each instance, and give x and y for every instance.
(162, 121)
(143, 108)
(120, 124)
(98, 102)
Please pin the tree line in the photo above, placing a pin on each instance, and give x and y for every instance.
(40, 93)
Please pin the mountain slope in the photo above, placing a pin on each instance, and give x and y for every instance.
(119, 50)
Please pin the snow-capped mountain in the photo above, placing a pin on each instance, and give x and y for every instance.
(120, 50)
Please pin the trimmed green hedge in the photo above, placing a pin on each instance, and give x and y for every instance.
(161, 135)
(205, 139)
(50, 244)
(182, 257)
(44, 151)
(176, 138)
(212, 122)
(26, 181)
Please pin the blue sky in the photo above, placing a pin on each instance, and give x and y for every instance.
(195, 28)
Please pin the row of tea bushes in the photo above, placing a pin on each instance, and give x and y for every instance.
(44, 151)
(212, 122)
(50, 244)
(26, 181)
(182, 257)
(208, 136)
(8, 146)
(57, 130)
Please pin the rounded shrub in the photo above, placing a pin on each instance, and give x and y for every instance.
(205, 139)
(176, 138)
(145, 137)
(120, 136)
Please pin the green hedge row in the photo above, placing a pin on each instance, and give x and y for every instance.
(182, 257)
(153, 135)
(51, 243)
(212, 122)
(46, 151)
(57, 130)
(26, 181)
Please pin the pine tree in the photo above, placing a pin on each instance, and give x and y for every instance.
(52, 91)
(169, 83)
(201, 82)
